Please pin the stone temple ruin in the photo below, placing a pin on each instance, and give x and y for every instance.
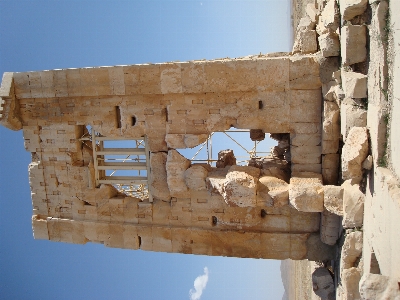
(165, 202)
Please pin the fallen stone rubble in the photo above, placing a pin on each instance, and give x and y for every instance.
(348, 34)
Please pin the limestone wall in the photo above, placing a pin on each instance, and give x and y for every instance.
(175, 105)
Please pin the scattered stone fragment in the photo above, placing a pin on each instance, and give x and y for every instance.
(323, 285)
(351, 249)
(329, 44)
(354, 84)
(351, 8)
(353, 205)
(333, 199)
(376, 286)
(353, 44)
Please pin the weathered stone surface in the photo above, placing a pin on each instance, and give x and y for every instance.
(323, 285)
(181, 141)
(226, 158)
(306, 194)
(195, 177)
(351, 249)
(329, 44)
(350, 280)
(312, 12)
(376, 286)
(351, 115)
(353, 205)
(304, 73)
(354, 151)
(306, 24)
(330, 227)
(240, 186)
(305, 42)
(333, 199)
(351, 8)
(215, 180)
(353, 44)
(158, 185)
(176, 166)
(330, 128)
(272, 191)
(354, 84)
(329, 19)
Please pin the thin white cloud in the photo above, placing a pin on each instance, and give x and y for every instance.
(199, 285)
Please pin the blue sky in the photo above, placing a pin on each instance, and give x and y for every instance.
(40, 35)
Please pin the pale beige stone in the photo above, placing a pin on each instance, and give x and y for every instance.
(195, 177)
(351, 249)
(272, 191)
(353, 205)
(333, 199)
(305, 42)
(351, 115)
(312, 12)
(330, 128)
(176, 166)
(377, 286)
(330, 15)
(158, 185)
(306, 194)
(351, 8)
(350, 280)
(354, 152)
(240, 186)
(329, 44)
(330, 227)
(354, 84)
(353, 44)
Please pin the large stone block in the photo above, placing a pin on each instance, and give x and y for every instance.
(305, 42)
(176, 166)
(350, 280)
(333, 199)
(353, 44)
(353, 205)
(351, 8)
(306, 193)
(354, 152)
(352, 115)
(272, 191)
(330, 128)
(354, 84)
(304, 73)
(240, 186)
(330, 227)
(329, 44)
(351, 249)
(158, 186)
